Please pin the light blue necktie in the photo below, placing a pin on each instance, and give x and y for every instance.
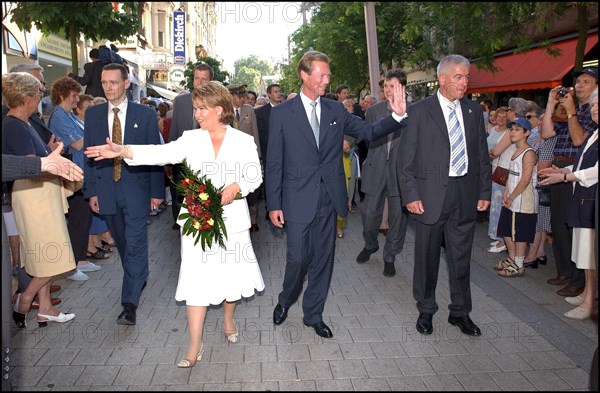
(458, 160)
(314, 121)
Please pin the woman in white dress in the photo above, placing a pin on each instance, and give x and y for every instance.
(229, 158)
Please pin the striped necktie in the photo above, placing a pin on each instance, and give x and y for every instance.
(458, 160)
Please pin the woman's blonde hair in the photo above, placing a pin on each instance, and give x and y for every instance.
(213, 94)
(18, 85)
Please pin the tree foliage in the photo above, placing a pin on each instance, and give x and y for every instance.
(219, 75)
(95, 20)
(253, 61)
(416, 35)
(248, 71)
(247, 76)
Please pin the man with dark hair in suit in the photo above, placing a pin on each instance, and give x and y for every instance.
(183, 120)
(444, 174)
(380, 181)
(92, 72)
(262, 121)
(124, 195)
(306, 186)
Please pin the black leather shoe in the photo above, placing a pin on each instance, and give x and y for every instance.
(389, 270)
(465, 325)
(365, 254)
(279, 314)
(321, 329)
(424, 325)
(127, 317)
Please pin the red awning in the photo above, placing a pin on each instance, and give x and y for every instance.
(534, 69)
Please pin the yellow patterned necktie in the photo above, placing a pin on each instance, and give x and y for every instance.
(116, 138)
(236, 122)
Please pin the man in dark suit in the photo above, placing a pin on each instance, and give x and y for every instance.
(124, 195)
(183, 120)
(306, 185)
(445, 179)
(262, 122)
(380, 181)
(92, 73)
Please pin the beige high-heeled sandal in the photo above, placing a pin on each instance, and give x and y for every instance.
(185, 363)
(232, 337)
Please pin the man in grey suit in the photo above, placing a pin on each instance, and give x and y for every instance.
(183, 120)
(445, 179)
(380, 181)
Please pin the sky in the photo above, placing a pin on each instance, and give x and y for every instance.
(255, 28)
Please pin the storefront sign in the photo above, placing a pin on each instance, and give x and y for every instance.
(155, 61)
(55, 45)
(176, 73)
(179, 37)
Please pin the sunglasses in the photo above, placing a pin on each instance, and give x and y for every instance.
(528, 117)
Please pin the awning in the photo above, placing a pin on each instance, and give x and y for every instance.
(534, 69)
(17, 34)
(166, 93)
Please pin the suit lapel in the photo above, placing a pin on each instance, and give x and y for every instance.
(102, 125)
(131, 124)
(468, 119)
(326, 120)
(299, 117)
(438, 117)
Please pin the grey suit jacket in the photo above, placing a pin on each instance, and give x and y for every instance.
(372, 176)
(183, 116)
(248, 125)
(424, 161)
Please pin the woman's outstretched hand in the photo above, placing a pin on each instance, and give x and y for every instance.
(101, 152)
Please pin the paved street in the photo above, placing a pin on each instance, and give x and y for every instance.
(526, 344)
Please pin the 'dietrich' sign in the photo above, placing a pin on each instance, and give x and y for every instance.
(179, 37)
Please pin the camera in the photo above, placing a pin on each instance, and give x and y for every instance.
(563, 92)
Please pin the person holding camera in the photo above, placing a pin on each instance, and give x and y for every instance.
(569, 137)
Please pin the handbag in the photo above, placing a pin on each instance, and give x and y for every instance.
(544, 196)
(500, 175)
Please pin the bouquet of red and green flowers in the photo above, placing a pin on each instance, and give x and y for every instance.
(204, 217)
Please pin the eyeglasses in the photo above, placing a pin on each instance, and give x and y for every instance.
(110, 83)
(528, 117)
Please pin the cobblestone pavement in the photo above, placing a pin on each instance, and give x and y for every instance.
(526, 343)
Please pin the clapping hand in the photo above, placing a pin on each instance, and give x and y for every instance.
(100, 152)
(551, 175)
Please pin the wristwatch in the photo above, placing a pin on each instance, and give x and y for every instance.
(570, 115)
(565, 178)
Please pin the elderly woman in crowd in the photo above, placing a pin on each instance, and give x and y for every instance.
(67, 126)
(37, 204)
